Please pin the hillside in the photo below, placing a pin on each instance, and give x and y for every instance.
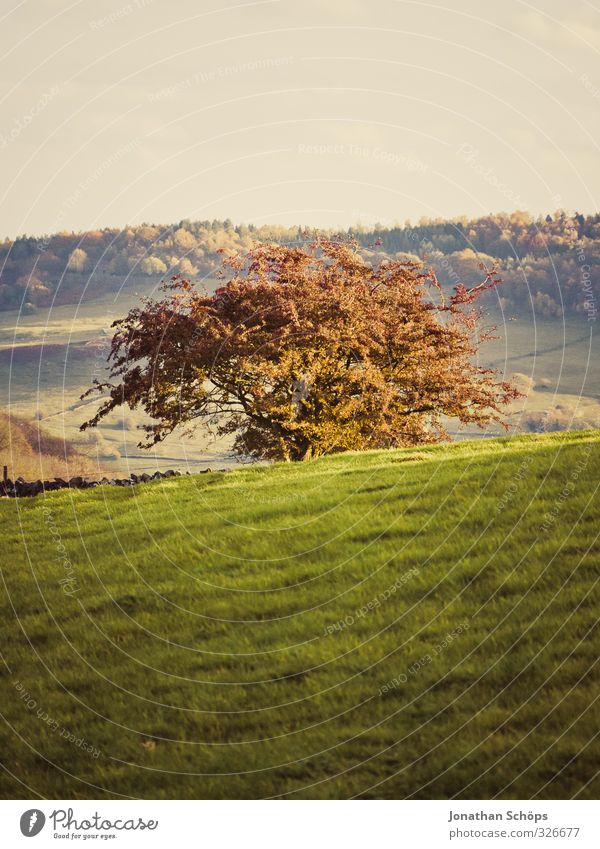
(414, 623)
(28, 450)
(550, 265)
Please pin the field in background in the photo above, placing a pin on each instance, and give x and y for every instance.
(51, 357)
(555, 363)
(387, 624)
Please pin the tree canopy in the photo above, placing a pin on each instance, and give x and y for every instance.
(306, 351)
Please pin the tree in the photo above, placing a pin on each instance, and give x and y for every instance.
(307, 351)
(152, 265)
(77, 260)
(184, 239)
(186, 268)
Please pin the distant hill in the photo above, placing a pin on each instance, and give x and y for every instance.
(29, 451)
(417, 623)
(549, 264)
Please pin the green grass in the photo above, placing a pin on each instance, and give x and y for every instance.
(210, 642)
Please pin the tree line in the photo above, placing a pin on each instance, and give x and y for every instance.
(550, 264)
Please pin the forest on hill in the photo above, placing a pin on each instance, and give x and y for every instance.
(550, 264)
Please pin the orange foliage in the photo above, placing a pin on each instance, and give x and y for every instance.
(307, 351)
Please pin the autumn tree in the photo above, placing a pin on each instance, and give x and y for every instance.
(306, 351)
(77, 260)
(152, 265)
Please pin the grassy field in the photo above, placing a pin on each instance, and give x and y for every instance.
(418, 623)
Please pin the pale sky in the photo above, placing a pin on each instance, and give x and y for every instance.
(322, 112)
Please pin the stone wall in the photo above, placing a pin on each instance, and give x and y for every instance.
(23, 489)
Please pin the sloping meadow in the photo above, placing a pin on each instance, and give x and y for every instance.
(387, 624)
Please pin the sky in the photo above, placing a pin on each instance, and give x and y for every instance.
(320, 112)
